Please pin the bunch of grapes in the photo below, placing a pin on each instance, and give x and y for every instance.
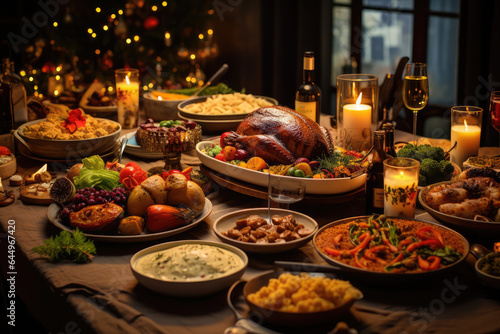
(91, 196)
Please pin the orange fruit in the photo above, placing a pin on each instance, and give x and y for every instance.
(256, 163)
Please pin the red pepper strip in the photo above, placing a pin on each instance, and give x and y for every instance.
(370, 253)
(377, 225)
(424, 264)
(130, 182)
(393, 248)
(357, 262)
(427, 232)
(397, 258)
(429, 242)
(435, 261)
(332, 251)
(363, 225)
(337, 239)
(404, 242)
(324, 170)
(365, 239)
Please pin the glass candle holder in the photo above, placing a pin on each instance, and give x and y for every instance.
(466, 131)
(127, 95)
(357, 105)
(400, 186)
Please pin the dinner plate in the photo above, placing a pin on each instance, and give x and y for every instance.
(382, 277)
(136, 150)
(226, 222)
(214, 126)
(313, 186)
(458, 222)
(54, 208)
(101, 111)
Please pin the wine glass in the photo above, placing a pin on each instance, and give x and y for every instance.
(415, 90)
(495, 110)
(285, 191)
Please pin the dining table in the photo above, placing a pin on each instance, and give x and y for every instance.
(103, 296)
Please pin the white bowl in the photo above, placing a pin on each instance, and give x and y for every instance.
(188, 288)
(226, 222)
(160, 110)
(313, 186)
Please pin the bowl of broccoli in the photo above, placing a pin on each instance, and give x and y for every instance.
(434, 167)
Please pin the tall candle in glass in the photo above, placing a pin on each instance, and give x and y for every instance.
(466, 131)
(357, 101)
(127, 95)
(400, 186)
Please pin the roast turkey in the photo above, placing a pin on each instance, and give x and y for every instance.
(281, 135)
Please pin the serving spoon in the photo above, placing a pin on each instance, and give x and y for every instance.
(214, 77)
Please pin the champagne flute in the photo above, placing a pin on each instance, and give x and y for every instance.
(495, 110)
(285, 191)
(415, 90)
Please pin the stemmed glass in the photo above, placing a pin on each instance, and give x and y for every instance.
(495, 110)
(415, 90)
(285, 191)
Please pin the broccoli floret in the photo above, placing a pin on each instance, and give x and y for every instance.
(446, 169)
(431, 169)
(408, 151)
(435, 153)
(213, 151)
(419, 155)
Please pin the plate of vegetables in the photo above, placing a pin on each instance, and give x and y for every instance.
(116, 203)
(334, 174)
(382, 247)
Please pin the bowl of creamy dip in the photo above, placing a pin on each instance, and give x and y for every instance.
(188, 268)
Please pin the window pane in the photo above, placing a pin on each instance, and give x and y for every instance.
(342, 1)
(389, 4)
(442, 52)
(387, 36)
(341, 42)
(448, 6)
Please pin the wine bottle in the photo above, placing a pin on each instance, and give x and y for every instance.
(375, 181)
(389, 139)
(308, 95)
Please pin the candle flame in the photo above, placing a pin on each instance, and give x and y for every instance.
(159, 98)
(127, 80)
(358, 101)
(466, 127)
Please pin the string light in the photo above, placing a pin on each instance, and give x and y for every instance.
(145, 87)
(97, 51)
(58, 77)
(34, 71)
(110, 88)
(35, 87)
(128, 41)
(188, 78)
(56, 92)
(59, 68)
(193, 56)
(154, 8)
(30, 79)
(94, 35)
(211, 12)
(23, 73)
(136, 38)
(55, 24)
(167, 35)
(200, 36)
(105, 28)
(150, 85)
(120, 12)
(210, 31)
(164, 4)
(89, 30)
(98, 10)
(113, 16)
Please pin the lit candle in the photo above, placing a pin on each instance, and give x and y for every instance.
(468, 138)
(400, 187)
(357, 116)
(127, 94)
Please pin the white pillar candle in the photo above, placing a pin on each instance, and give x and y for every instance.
(127, 93)
(400, 193)
(357, 116)
(468, 138)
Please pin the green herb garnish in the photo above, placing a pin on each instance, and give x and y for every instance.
(72, 246)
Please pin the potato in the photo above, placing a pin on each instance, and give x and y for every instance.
(191, 196)
(138, 201)
(131, 225)
(175, 181)
(155, 185)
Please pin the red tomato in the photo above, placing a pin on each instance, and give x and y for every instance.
(221, 157)
(132, 171)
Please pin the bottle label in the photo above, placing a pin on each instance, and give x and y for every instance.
(309, 63)
(306, 108)
(378, 197)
